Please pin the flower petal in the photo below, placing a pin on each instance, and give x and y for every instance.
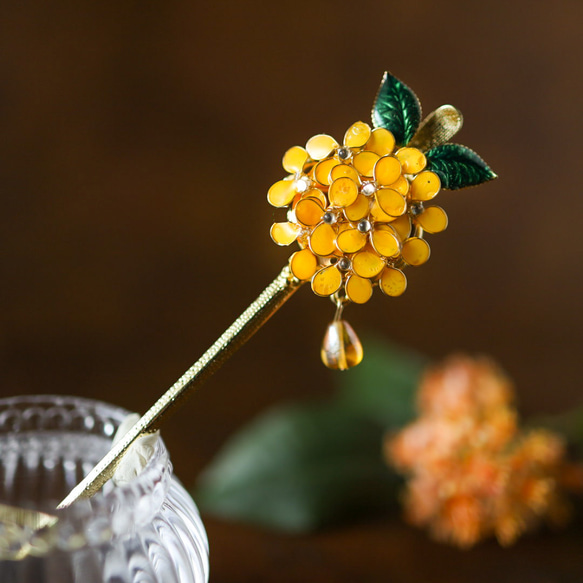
(425, 186)
(281, 193)
(320, 146)
(284, 233)
(357, 135)
(402, 226)
(379, 215)
(367, 264)
(393, 282)
(385, 241)
(412, 160)
(387, 170)
(401, 185)
(323, 240)
(381, 142)
(344, 170)
(391, 202)
(364, 162)
(303, 264)
(415, 251)
(358, 289)
(327, 281)
(351, 241)
(358, 209)
(294, 159)
(323, 169)
(433, 219)
(343, 192)
(317, 194)
(309, 211)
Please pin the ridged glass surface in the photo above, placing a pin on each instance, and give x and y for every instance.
(146, 531)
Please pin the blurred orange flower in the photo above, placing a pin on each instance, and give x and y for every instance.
(471, 472)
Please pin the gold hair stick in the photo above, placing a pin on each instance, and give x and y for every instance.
(268, 302)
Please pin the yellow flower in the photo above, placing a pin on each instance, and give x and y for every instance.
(356, 211)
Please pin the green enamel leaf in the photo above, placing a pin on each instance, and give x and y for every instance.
(458, 166)
(397, 109)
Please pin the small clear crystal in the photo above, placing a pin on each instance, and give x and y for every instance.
(344, 264)
(364, 226)
(417, 208)
(302, 184)
(369, 189)
(329, 218)
(344, 153)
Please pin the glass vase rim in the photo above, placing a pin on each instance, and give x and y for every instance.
(122, 504)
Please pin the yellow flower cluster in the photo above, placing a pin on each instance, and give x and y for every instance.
(357, 212)
(471, 472)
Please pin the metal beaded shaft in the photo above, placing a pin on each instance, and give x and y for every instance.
(268, 302)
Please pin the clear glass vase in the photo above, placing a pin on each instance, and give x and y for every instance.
(148, 530)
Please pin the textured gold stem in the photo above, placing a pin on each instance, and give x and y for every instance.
(268, 302)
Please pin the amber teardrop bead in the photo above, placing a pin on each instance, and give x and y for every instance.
(341, 348)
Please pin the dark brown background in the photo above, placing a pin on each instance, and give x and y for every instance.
(137, 142)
